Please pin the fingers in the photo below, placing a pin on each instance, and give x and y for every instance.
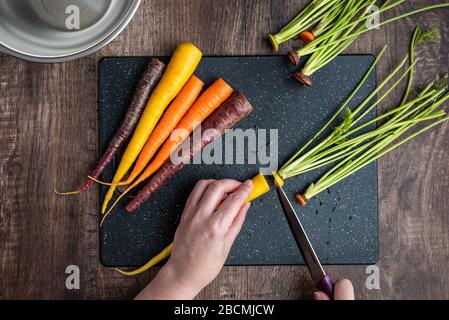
(215, 193)
(320, 296)
(237, 224)
(343, 290)
(231, 206)
(197, 194)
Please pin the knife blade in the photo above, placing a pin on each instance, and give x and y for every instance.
(322, 281)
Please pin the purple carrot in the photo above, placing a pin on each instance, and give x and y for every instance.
(226, 116)
(146, 85)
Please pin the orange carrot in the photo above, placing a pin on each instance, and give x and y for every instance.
(185, 99)
(210, 100)
(307, 36)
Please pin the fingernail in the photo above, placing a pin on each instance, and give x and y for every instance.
(248, 183)
(316, 296)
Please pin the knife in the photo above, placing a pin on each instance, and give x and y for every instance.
(322, 281)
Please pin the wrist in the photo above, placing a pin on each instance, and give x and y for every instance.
(174, 286)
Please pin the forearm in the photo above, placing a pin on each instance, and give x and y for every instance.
(165, 286)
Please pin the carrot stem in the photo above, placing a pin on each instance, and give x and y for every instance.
(419, 37)
(355, 150)
(312, 14)
(338, 112)
(348, 28)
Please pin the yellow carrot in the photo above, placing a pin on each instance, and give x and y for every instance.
(277, 179)
(181, 67)
(260, 187)
(154, 261)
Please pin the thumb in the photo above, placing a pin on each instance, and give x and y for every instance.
(343, 290)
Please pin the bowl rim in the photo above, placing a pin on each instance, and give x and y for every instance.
(95, 46)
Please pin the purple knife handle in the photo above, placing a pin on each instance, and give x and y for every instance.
(327, 286)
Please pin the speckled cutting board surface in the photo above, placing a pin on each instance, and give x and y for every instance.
(342, 222)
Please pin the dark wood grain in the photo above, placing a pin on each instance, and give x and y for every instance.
(49, 139)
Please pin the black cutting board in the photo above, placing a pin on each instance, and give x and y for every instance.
(341, 222)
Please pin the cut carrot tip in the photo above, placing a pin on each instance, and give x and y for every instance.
(273, 42)
(307, 36)
(303, 79)
(301, 199)
(294, 57)
(277, 179)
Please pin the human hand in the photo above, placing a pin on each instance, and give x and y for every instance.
(212, 219)
(343, 290)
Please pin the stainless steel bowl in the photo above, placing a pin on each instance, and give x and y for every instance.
(48, 30)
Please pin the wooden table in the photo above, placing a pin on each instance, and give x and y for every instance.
(49, 138)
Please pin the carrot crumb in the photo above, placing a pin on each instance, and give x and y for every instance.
(307, 36)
